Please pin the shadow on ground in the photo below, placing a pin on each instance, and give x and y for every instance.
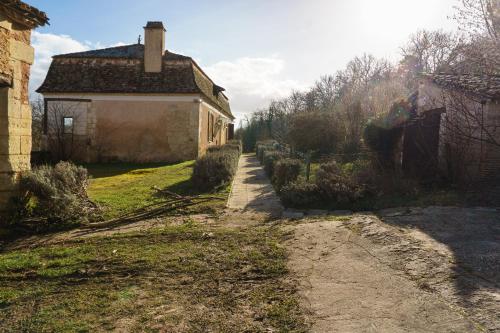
(468, 243)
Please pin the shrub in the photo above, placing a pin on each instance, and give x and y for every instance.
(315, 131)
(235, 143)
(382, 135)
(57, 195)
(286, 171)
(225, 148)
(376, 182)
(216, 168)
(270, 158)
(261, 147)
(337, 185)
(300, 194)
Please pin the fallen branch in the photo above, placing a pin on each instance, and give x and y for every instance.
(176, 202)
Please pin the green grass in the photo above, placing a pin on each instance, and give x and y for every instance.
(122, 188)
(185, 278)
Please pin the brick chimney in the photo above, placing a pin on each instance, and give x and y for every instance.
(154, 46)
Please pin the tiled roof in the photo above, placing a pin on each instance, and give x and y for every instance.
(97, 72)
(23, 13)
(134, 51)
(487, 86)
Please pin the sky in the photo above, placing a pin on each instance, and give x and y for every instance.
(258, 50)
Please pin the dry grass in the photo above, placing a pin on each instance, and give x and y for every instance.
(187, 278)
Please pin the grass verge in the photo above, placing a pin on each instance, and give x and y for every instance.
(186, 278)
(123, 188)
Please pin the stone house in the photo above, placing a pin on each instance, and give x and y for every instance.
(17, 19)
(456, 128)
(135, 103)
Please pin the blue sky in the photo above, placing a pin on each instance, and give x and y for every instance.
(257, 49)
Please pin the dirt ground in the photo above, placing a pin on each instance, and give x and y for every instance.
(407, 270)
(434, 269)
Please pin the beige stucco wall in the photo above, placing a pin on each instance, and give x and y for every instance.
(62, 145)
(16, 56)
(134, 128)
(220, 137)
(130, 130)
(145, 131)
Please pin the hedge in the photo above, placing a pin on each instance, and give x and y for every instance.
(217, 167)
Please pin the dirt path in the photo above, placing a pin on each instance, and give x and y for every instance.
(351, 280)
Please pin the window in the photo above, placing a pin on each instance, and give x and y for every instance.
(210, 132)
(68, 125)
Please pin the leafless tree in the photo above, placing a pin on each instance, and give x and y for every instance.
(64, 143)
(479, 18)
(37, 110)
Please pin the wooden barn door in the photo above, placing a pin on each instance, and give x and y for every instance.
(421, 145)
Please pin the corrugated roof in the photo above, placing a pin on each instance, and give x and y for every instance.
(94, 72)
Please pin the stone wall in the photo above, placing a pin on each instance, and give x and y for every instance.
(16, 56)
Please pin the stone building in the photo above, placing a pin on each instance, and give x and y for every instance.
(17, 19)
(459, 127)
(136, 103)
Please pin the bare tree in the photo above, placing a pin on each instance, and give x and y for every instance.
(37, 110)
(62, 119)
(479, 18)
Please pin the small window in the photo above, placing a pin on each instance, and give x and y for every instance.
(68, 125)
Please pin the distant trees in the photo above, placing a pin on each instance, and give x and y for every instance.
(329, 117)
(332, 115)
(429, 52)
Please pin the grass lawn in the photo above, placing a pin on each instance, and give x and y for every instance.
(187, 278)
(122, 188)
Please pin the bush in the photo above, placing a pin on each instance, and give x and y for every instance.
(57, 195)
(300, 195)
(235, 143)
(261, 147)
(337, 185)
(216, 168)
(286, 171)
(315, 131)
(382, 135)
(270, 157)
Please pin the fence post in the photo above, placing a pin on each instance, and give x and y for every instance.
(308, 165)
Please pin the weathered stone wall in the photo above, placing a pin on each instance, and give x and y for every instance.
(16, 56)
(461, 157)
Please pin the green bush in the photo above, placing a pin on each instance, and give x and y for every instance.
(301, 195)
(286, 171)
(261, 147)
(383, 134)
(216, 168)
(336, 185)
(56, 196)
(237, 144)
(224, 148)
(270, 158)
